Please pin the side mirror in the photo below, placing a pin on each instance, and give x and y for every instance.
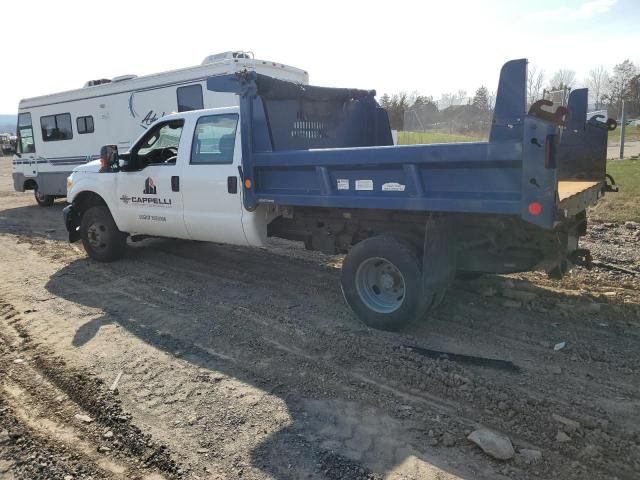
(109, 159)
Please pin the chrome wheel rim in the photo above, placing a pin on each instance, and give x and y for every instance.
(380, 285)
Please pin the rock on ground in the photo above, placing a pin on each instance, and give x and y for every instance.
(494, 444)
(530, 455)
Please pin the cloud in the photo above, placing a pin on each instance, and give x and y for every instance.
(594, 7)
(583, 11)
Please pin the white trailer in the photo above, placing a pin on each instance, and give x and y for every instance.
(58, 132)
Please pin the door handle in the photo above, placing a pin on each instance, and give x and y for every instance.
(175, 183)
(232, 184)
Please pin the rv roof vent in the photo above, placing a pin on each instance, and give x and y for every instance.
(216, 57)
(122, 78)
(93, 83)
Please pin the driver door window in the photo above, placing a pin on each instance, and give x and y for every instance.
(158, 147)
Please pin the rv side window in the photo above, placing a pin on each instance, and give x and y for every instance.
(25, 134)
(214, 140)
(190, 98)
(84, 124)
(56, 127)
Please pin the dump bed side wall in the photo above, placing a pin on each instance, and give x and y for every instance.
(483, 177)
(461, 178)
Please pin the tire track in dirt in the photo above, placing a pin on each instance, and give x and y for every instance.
(269, 289)
(520, 411)
(45, 408)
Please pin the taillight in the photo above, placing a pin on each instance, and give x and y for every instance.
(535, 208)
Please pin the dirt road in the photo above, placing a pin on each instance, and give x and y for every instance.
(201, 361)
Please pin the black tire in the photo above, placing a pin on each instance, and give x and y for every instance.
(401, 255)
(42, 200)
(100, 236)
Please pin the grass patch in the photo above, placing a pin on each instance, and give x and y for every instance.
(413, 138)
(624, 205)
(631, 134)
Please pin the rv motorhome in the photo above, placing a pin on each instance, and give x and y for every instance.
(58, 132)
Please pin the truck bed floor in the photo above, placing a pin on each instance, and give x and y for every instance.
(569, 188)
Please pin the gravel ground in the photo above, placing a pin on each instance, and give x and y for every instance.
(206, 361)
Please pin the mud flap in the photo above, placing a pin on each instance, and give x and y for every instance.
(438, 260)
(72, 222)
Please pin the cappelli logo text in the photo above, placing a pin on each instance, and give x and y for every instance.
(150, 188)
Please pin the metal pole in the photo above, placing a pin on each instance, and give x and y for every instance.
(622, 129)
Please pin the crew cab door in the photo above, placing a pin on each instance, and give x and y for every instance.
(211, 184)
(148, 185)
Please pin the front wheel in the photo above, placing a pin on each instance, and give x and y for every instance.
(42, 199)
(100, 236)
(382, 282)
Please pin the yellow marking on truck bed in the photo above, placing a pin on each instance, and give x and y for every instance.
(569, 188)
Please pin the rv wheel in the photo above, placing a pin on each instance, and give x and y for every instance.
(100, 236)
(42, 199)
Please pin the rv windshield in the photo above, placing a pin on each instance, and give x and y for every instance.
(25, 142)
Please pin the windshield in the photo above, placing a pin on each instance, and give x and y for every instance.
(25, 142)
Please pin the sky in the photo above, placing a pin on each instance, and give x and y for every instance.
(432, 47)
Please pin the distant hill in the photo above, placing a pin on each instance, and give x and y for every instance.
(8, 123)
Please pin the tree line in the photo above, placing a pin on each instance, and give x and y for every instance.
(455, 112)
(459, 112)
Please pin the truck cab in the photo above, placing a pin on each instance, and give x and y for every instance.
(181, 179)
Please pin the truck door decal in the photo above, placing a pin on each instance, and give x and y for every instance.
(149, 187)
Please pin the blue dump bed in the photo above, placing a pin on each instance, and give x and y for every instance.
(325, 147)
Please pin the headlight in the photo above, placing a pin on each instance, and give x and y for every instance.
(69, 182)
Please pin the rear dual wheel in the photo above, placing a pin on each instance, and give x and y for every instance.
(382, 282)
